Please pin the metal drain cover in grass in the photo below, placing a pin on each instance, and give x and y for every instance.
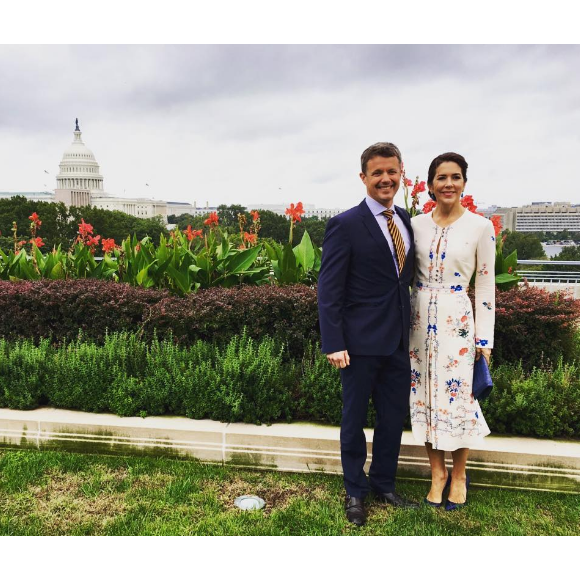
(249, 502)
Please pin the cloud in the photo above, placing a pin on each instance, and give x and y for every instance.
(232, 124)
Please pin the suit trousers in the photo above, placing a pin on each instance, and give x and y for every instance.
(387, 379)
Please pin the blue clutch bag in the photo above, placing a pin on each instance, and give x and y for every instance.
(482, 383)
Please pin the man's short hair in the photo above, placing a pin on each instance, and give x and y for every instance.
(381, 149)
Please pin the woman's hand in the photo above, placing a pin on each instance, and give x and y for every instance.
(486, 352)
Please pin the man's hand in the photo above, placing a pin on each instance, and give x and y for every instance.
(486, 352)
(339, 359)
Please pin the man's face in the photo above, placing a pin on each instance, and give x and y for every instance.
(382, 179)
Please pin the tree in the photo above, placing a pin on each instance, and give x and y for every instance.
(228, 215)
(60, 224)
(568, 254)
(527, 245)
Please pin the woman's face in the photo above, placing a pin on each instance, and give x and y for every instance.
(448, 184)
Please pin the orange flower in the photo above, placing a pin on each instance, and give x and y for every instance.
(463, 351)
(37, 242)
(192, 234)
(212, 220)
(255, 215)
(250, 238)
(108, 245)
(295, 212)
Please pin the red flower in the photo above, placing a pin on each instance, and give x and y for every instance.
(34, 219)
(497, 225)
(37, 242)
(429, 206)
(255, 215)
(22, 243)
(93, 241)
(295, 212)
(408, 182)
(84, 228)
(212, 220)
(108, 245)
(463, 351)
(510, 270)
(418, 188)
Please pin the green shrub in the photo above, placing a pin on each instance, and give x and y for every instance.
(22, 372)
(543, 403)
(251, 383)
(80, 374)
(246, 380)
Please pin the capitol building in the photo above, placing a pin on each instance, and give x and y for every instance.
(80, 183)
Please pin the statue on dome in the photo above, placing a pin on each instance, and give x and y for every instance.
(77, 123)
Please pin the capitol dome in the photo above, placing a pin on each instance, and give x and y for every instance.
(79, 169)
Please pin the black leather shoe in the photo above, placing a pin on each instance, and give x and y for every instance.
(396, 500)
(355, 510)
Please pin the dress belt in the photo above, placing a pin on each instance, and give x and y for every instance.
(429, 286)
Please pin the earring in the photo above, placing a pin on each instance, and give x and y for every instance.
(432, 196)
(462, 194)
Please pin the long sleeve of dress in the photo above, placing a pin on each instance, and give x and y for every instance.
(485, 287)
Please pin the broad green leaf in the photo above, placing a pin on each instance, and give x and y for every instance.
(241, 261)
(304, 252)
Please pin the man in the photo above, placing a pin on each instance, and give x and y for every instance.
(364, 311)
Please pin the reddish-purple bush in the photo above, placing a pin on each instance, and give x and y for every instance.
(536, 326)
(289, 312)
(533, 325)
(60, 308)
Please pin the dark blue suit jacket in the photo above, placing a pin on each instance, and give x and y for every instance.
(363, 306)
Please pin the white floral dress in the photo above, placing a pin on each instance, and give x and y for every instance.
(443, 332)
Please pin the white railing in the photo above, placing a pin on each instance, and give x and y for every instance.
(550, 276)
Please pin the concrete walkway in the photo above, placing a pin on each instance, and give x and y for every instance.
(513, 462)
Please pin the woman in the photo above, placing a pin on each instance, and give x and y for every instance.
(451, 244)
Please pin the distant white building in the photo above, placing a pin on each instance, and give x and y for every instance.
(541, 217)
(178, 208)
(80, 183)
(310, 210)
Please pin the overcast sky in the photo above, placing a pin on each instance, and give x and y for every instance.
(287, 123)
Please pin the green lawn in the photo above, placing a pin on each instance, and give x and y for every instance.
(51, 493)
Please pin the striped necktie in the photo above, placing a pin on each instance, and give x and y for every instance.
(397, 238)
